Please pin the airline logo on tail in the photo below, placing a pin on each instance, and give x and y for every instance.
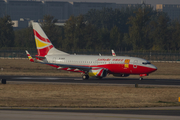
(43, 44)
(40, 41)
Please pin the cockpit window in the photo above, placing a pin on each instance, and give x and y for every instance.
(145, 63)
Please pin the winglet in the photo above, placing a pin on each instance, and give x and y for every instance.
(29, 56)
(113, 53)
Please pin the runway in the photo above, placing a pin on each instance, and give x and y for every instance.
(10, 113)
(34, 115)
(90, 114)
(77, 80)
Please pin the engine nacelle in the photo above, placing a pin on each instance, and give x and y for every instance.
(121, 75)
(98, 72)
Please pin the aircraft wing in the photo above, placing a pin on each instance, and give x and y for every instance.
(82, 68)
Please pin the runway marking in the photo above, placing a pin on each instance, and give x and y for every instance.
(46, 78)
(169, 80)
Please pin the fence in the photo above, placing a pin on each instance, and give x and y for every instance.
(148, 55)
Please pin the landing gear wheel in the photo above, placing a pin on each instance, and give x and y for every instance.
(3, 81)
(85, 77)
(100, 78)
(140, 78)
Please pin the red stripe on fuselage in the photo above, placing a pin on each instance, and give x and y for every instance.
(118, 69)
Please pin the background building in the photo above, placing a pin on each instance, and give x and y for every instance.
(60, 10)
(22, 11)
(83, 7)
(173, 11)
(2, 8)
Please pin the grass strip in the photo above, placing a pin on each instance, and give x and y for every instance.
(86, 96)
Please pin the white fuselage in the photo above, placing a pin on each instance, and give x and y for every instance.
(114, 64)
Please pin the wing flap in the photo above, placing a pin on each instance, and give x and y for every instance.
(82, 68)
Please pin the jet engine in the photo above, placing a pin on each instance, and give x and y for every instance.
(98, 72)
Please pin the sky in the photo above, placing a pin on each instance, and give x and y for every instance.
(152, 2)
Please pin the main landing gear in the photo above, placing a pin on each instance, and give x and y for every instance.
(85, 77)
(140, 78)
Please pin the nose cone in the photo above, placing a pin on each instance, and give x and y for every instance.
(153, 68)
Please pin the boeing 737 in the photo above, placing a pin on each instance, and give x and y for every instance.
(89, 65)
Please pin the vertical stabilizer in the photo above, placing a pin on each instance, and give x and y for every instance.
(43, 44)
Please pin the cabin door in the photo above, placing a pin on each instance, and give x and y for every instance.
(135, 64)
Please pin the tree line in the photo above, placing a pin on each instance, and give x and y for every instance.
(130, 29)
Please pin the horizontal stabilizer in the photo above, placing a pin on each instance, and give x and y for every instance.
(40, 57)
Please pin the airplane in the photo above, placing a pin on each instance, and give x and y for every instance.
(89, 65)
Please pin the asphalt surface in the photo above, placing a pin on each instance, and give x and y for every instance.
(102, 81)
(39, 115)
(165, 111)
(87, 114)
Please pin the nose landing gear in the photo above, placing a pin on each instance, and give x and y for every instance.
(142, 75)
